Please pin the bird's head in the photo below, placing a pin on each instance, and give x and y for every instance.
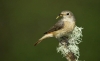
(65, 14)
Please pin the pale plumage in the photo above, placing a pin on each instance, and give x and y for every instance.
(62, 28)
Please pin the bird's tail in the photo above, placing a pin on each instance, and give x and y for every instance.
(45, 36)
(37, 42)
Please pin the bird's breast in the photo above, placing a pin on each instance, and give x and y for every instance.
(67, 28)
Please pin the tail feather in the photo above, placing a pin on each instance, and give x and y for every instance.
(44, 37)
(37, 42)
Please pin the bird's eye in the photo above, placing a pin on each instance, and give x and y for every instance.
(67, 13)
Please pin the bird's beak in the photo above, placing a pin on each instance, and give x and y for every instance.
(60, 15)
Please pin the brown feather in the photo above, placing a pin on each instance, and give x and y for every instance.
(57, 26)
(37, 42)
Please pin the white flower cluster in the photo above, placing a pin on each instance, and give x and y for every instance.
(74, 39)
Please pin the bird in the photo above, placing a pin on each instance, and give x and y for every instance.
(62, 28)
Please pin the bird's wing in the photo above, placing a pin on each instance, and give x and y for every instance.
(56, 27)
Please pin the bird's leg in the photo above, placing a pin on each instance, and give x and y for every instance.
(64, 39)
(61, 42)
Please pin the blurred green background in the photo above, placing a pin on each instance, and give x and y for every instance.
(23, 22)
